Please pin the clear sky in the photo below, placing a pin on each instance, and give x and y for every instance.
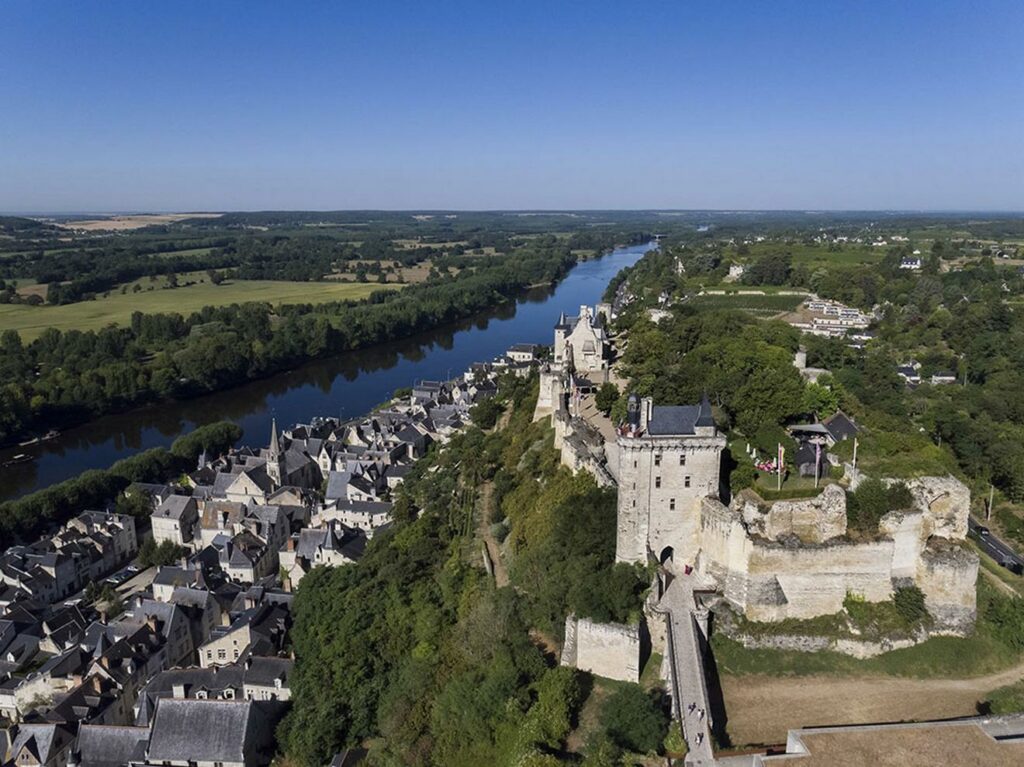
(214, 105)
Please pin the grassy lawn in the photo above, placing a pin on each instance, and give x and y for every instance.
(938, 657)
(793, 486)
(117, 308)
(897, 453)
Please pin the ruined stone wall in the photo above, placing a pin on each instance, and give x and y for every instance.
(581, 448)
(770, 580)
(946, 502)
(550, 393)
(947, 575)
(611, 650)
(906, 530)
(806, 581)
(812, 520)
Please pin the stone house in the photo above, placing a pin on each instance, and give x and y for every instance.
(210, 733)
(259, 630)
(41, 745)
(175, 520)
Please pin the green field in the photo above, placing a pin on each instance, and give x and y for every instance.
(762, 306)
(820, 255)
(117, 308)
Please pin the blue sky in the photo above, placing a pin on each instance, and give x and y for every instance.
(139, 106)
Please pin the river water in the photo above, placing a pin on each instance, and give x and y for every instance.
(348, 385)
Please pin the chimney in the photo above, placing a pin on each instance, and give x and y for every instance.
(178, 690)
(105, 662)
(646, 408)
(97, 684)
(152, 623)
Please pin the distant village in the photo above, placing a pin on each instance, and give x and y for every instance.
(104, 662)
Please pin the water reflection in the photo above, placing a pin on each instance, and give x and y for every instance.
(347, 385)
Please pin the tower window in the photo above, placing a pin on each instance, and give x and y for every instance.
(682, 459)
(657, 481)
(634, 464)
(686, 481)
(671, 504)
(657, 459)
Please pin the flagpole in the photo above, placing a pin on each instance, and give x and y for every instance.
(778, 466)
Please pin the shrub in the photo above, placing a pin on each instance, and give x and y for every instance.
(872, 500)
(1006, 700)
(909, 601)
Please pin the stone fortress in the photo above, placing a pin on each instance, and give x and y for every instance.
(768, 561)
(790, 558)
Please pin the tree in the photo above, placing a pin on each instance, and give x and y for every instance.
(166, 553)
(606, 397)
(485, 414)
(634, 719)
(821, 399)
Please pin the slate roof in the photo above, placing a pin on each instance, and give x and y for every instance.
(110, 746)
(672, 419)
(667, 420)
(841, 426)
(201, 730)
(44, 741)
(175, 507)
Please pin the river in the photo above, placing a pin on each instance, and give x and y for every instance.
(347, 386)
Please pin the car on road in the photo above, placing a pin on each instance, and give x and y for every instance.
(982, 531)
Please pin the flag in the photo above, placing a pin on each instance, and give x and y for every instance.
(782, 456)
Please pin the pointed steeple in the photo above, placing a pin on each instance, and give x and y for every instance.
(274, 457)
(275, 445)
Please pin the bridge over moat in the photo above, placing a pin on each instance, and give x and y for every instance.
(686, 626)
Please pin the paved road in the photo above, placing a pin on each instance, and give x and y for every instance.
(688, 683)
(999, 550)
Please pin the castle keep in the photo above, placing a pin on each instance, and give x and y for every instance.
(669, 459)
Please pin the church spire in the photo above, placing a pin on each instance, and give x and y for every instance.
(275, 445)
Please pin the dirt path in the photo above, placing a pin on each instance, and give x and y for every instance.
(483, 530)
(762, 708)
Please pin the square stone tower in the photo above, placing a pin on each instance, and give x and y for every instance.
(669, 459)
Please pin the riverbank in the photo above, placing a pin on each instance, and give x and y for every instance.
(342, 385)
